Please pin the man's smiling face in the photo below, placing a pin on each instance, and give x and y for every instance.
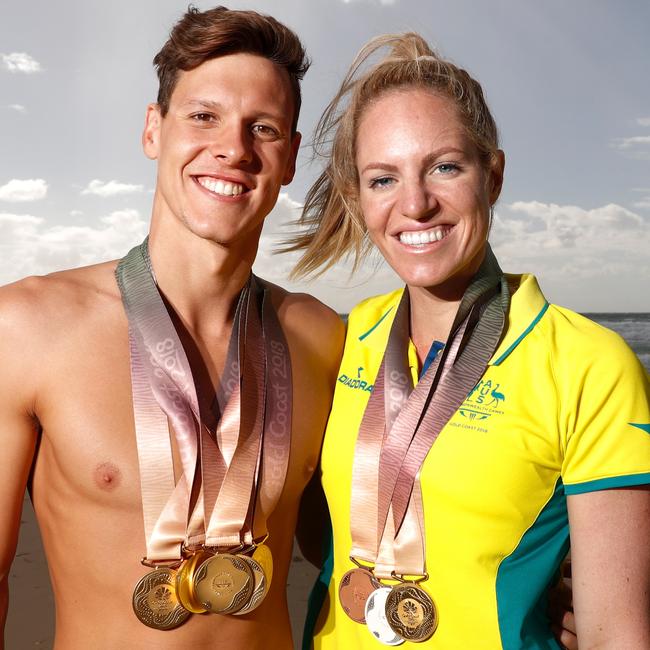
(224, 148)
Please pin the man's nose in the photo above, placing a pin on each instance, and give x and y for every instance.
(233, 143)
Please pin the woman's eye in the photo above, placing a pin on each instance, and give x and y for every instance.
(446, 168)
(383, 181)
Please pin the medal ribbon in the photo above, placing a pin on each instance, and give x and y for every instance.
(401, 423)
(225, 468)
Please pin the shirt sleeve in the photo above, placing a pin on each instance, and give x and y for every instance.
(605, 409)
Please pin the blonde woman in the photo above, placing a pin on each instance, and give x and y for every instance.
(476, 430)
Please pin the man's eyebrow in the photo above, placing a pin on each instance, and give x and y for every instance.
(216, 106)
(204, 103)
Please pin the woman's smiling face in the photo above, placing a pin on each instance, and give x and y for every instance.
(424, 192)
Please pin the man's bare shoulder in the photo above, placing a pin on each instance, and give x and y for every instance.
(304, 314)
(36, 307)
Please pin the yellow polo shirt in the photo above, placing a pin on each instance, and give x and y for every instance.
(563, 408)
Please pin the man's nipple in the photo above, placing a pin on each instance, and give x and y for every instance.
(107, 476)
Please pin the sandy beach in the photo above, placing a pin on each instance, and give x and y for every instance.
(31, 608)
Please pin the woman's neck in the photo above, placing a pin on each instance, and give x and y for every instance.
(431, 318)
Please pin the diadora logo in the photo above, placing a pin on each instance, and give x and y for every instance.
(484, 400)
(356, 383)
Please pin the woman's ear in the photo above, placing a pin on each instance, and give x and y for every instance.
(495, 180)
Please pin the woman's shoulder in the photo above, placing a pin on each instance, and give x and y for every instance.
(374, 310)
(571, 339)
(580, 339)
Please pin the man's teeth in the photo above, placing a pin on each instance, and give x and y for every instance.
(221, 187)
(413, 238)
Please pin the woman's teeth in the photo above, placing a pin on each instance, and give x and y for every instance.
(221, 187)
(418, 238)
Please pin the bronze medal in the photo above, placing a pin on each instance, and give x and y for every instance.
(224, 583)
(155, 602)
(411, 613)
(355, 587)
(185, 577)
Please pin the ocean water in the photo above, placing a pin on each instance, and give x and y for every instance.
(634, 328)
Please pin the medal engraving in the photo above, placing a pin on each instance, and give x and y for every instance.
(260, 587)
(375, 615)
(224, 584)
(411, 613)
(155, 602)
(355, 588)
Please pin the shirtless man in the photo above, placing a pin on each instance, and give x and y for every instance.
(224, 136)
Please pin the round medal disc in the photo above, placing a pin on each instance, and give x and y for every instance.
(376, 618)
(155, 602)
(262, 555)
(355, 587)
(224, 583)
(185, 582)
(411, 613)
(260, 588)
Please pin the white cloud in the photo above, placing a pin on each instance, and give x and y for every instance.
(634, 141)
(19, 108)
(18, 191)
(28, 245)
(21, 62)
(644, 204)
(569, 243)
(637, 146)
(111, 188)
(643, 121)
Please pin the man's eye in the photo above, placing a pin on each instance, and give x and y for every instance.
(202, 117)
(265, 131)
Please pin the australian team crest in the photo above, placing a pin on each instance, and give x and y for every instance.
(487, 398)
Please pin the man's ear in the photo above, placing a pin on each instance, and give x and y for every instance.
(495, 182)
(151, 133)
(291, 163)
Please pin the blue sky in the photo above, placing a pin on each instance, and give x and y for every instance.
(567, 83)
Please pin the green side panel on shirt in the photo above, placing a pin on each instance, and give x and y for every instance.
(523, 623)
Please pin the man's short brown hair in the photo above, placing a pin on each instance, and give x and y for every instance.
(202, 35)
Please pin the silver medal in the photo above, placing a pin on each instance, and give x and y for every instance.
(376, 618)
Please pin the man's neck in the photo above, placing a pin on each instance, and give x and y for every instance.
(200, 279)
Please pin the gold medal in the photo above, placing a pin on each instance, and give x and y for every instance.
(260, 588)
(224, 583)
(410, 612)
(155, 602)
(185, 577)
(262, 555)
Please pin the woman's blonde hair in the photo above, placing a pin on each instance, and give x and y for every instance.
(332, 225)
